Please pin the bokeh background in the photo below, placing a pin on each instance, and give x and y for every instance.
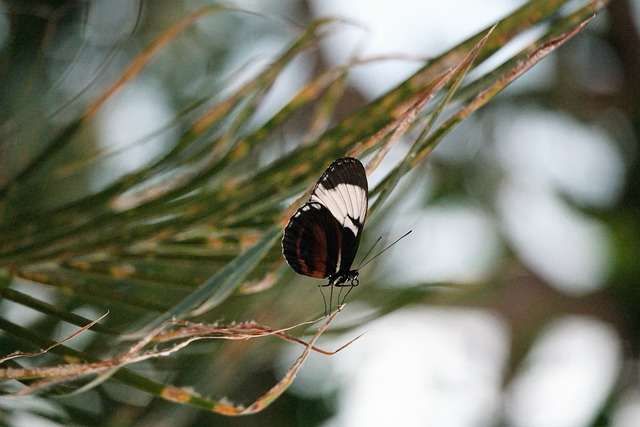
(516, 299)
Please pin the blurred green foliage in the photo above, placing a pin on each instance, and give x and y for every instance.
(179, 216)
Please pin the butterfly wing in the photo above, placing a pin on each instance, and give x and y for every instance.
(312, 241)
(322, 237)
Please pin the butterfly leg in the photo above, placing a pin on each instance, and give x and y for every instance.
(324, 299)
(352, 284)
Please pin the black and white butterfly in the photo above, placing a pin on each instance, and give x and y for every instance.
(322, 237)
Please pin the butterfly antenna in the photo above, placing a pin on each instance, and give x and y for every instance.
(385, 249)
(369, 252)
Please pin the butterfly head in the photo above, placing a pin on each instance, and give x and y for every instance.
(348, 279)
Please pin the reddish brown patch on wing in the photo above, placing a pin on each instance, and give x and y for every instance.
(312, 258)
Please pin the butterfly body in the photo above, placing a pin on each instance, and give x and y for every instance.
(322, 237)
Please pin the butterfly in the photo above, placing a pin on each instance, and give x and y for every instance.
(322, 237)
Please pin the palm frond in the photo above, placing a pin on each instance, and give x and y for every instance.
(199, 224)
